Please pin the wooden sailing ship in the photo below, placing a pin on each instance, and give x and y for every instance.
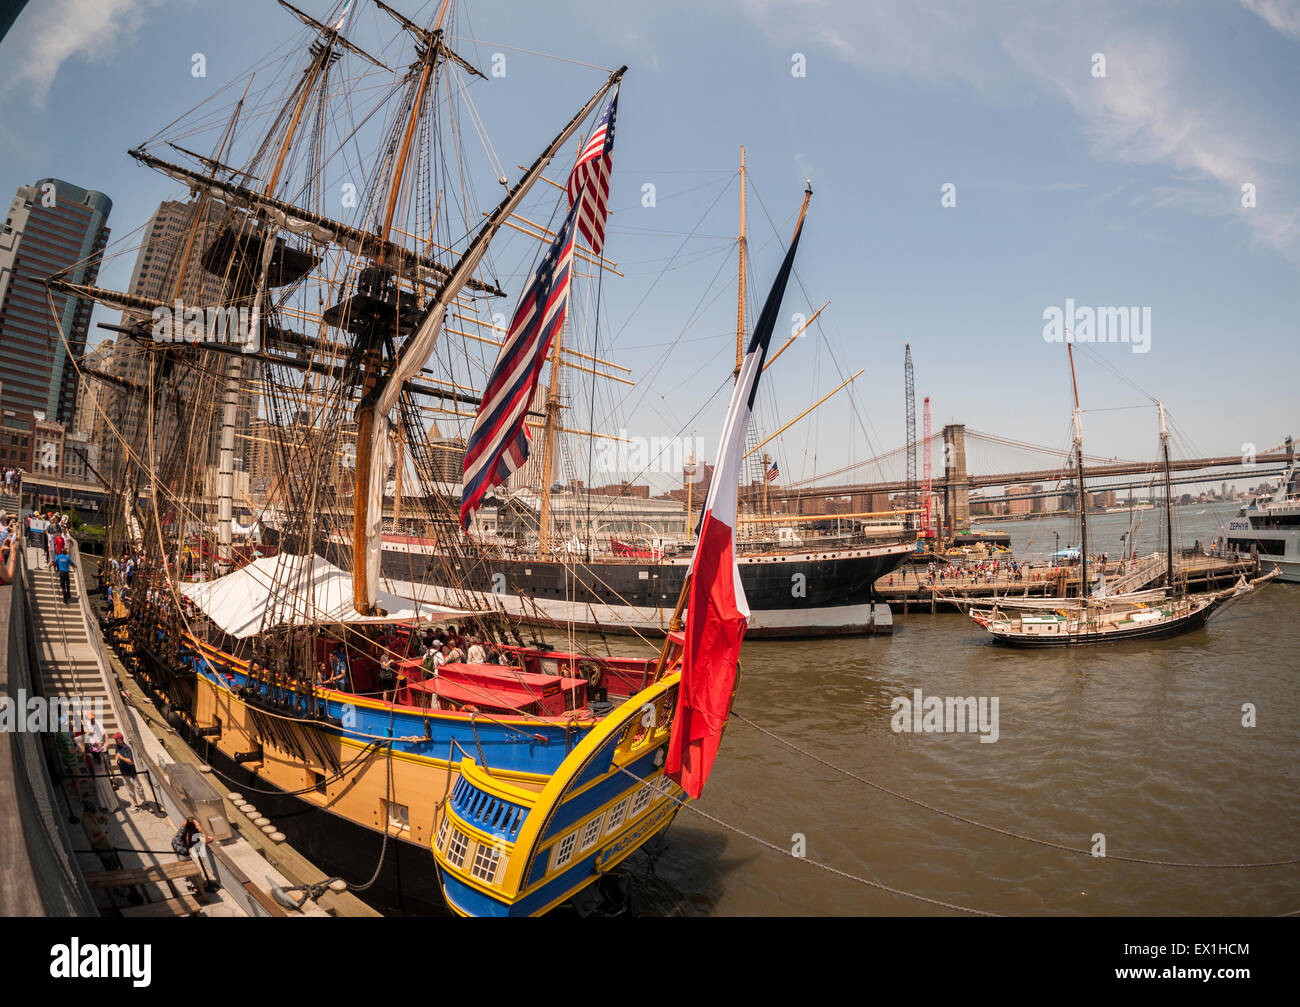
(1097, 617)
(610, 585)
(287, 663)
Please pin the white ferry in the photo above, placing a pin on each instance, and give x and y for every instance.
(1270, 526)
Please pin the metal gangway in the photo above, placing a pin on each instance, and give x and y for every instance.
(1148, 570)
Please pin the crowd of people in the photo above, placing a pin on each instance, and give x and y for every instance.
(432, 647)
(8, 547)
(13, 477)
(436, 647)
(968, 573)
(50, 533)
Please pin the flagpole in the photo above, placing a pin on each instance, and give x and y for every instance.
(742, 246)
(767, 468)
(675, 624)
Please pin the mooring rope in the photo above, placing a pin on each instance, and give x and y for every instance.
(994, 828)
(846, 875)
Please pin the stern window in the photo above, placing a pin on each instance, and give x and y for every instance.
(563, 851)
(592, 832)
(457, 847)
(616, 816)
(486, 861)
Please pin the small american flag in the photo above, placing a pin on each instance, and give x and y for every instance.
(772, 473)
(499, 442)
(589, 180)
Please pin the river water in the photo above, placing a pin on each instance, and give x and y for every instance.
(1141, 743)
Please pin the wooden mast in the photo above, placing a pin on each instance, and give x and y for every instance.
(370, 359)
(548, 446)
(741, 244)
(308, 85)
(234, 365)
(432, 40)
(1083, 499)
(1169, 503)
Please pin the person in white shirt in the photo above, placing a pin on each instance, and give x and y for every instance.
(92, 734)
(476, 654)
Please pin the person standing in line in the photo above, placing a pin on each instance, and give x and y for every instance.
(130, 776)
(64, 563)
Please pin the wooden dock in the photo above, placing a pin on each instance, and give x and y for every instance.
(909, 589)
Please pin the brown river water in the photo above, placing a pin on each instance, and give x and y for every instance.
(1142, 743)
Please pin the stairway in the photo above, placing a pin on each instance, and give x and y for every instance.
(67, 665)
(1149, 569)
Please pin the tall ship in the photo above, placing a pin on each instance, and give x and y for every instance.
(792, 591)
(1269, 526)
(413, 745)
(554, 567)
(1100, 616)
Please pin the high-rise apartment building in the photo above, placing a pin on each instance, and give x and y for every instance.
(50, 227)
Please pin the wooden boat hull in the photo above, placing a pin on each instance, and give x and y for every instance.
(1175, 627)
(502, 851)
(327, 782)
(407, 882)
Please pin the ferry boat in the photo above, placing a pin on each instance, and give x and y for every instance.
(1269, 527)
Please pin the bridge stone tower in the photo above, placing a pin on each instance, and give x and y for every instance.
(956, 489)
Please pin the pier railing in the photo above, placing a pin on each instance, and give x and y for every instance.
(26, 786)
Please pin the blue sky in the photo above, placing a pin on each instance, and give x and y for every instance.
(1122, 190)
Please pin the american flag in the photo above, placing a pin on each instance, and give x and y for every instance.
(499, 442)
(590, 178)
(773, 473)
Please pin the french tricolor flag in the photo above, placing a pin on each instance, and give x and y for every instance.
(716, 611)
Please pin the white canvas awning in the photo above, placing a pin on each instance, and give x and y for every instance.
(286, 590)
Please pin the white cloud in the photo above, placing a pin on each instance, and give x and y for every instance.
(1284, 15)
(48, 34)
(1161, 103)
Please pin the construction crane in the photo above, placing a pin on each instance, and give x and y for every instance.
(927, 528)
(910, 519)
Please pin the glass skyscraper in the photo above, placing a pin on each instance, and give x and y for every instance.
(51, 227)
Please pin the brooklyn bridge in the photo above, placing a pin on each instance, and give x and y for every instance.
(956, 447)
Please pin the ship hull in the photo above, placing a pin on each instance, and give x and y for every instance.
(789, 595)
(326, 781)
(1162, 631)
(407, 881)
